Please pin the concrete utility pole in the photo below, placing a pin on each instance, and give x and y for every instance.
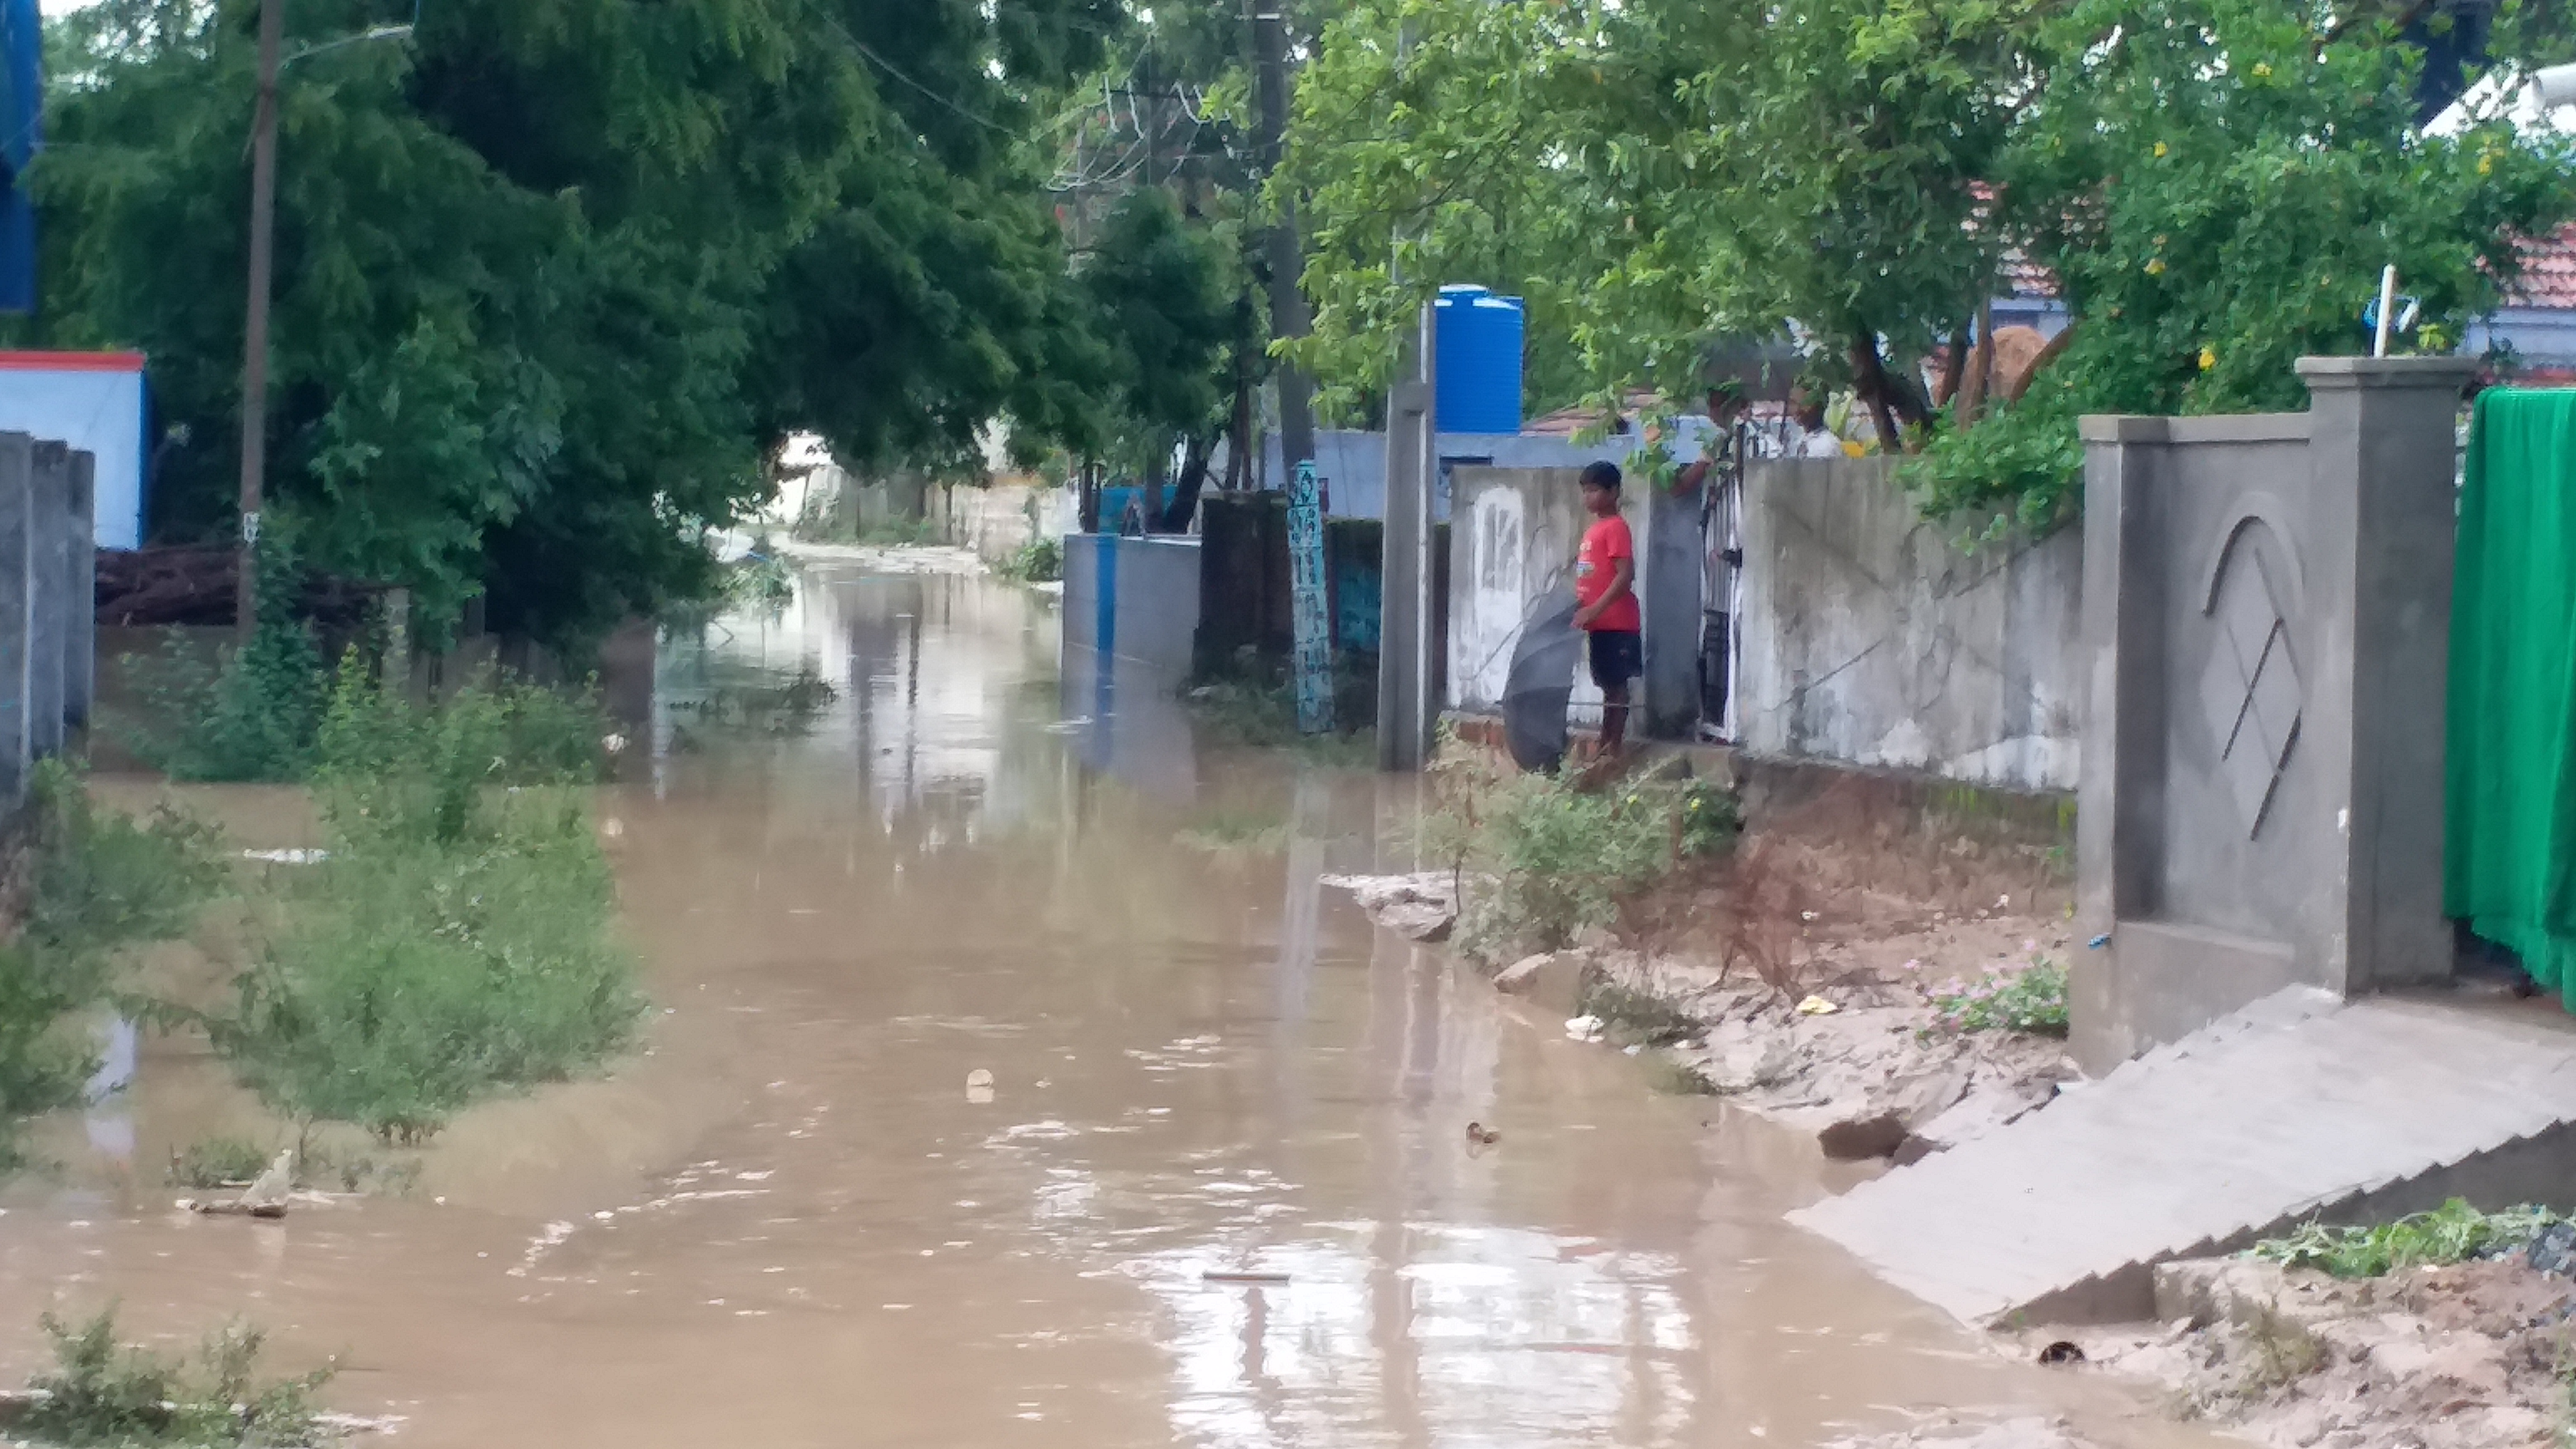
(1282, 248)
(263, 229)
(1404, 707)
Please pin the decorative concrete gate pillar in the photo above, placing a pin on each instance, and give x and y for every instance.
(2267, 605)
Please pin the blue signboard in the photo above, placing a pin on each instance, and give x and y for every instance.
(1310, 608)
(22, 79)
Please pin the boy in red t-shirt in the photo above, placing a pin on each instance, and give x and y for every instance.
(1605, 578)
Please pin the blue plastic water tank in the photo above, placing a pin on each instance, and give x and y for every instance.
(1477, 386)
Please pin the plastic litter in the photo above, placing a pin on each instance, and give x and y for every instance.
(1817, 1006)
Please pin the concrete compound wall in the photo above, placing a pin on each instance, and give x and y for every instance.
(48, 627)
(1868, 638)
(1133, 598)
(1513, 533)
(2266, 629)
(998, 520)
(1871, 638)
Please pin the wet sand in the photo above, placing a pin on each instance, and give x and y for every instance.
(791, 1222)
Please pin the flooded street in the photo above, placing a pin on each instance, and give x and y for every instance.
(795, 1223)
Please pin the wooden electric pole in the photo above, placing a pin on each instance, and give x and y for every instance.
(263, 229)
(1284, 250)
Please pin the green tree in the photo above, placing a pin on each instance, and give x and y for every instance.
(2216, 195)
(554, 274)
(1669, 171)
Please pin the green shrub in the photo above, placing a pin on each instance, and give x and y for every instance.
(417, 973)
(388, 766)
(2451, 1233)
(2032, 999)
(101, 880)
(98, 882)
(109, 1394)
(455, 940)
(251, 714)
(1039, 561)
(1542, 859)
(759, 580)
(1710, 818)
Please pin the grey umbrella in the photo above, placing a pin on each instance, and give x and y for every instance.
(1541, 681)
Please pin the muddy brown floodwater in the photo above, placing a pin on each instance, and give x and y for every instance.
(793, 1222)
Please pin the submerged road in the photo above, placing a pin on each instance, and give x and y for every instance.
(803, 1220)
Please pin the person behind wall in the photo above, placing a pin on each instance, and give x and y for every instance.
(1727, 411)
(1605, 596)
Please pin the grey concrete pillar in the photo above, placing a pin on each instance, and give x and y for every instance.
(1405, 709)
(1671, 581)
(49, 528)
(80, 558)
(2386, 459)
(17, 498)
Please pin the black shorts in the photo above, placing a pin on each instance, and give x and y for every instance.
(1618, 655)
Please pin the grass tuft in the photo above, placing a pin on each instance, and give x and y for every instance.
(114, 1395)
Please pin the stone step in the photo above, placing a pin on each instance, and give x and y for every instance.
(2299, 1105)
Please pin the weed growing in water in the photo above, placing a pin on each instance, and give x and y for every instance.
(1250, 714)
(1225, 830)
(235, 1162)
(98, 882)
(218, 1162)
(106, 1393)
(789, 707)
(1630, 1017)
(2032, 999)
(455, 942)
(1540, 859)
(901, 533)
(760, 580)
(2451, 1233)
(1677, 1078)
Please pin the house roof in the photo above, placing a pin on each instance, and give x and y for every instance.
(2548, 277)
(2548, 272)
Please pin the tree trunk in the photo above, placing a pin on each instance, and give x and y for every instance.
(1953, 368)
(1185, 497)
(1286, 252)
(1981, 368)
(1870, 374)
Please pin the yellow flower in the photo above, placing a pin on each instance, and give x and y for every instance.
(2262, 68)
(2160, 150)
(2208, 358)
(2156, 267)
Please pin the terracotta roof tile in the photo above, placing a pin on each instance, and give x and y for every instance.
(2548, 272)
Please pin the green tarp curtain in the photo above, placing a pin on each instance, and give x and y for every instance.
(2509, 851)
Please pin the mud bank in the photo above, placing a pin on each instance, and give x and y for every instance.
(2472, 1355)
(1854, 1049)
